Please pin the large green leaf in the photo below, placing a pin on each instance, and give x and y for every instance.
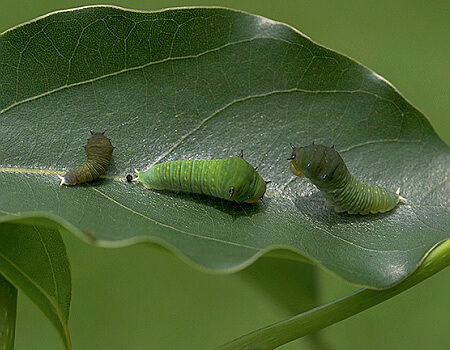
(203, 83)
(34, 259)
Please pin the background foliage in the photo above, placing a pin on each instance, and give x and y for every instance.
(158, 276)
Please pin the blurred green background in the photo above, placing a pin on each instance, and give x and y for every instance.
(143, 297)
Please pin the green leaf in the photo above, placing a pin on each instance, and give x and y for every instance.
(8, 308)
(323, 316)
(202, 83)
(294, 285)
(34, 259)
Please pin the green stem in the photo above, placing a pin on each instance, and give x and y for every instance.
(323, 316)
(8, 306)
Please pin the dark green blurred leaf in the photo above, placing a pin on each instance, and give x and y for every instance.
(33, 258)
(205, 83)
(292, 284)
(283, 332)
(8, 307)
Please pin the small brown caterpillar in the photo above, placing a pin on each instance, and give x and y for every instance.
(99, 152)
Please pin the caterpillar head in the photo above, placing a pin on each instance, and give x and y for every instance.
(258, 193)
(321, 164)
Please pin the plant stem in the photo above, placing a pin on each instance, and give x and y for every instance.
(323, 316)
(8, 307)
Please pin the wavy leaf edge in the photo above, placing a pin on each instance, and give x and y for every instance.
(274, 251)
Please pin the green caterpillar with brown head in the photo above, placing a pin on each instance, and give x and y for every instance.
(325, 168)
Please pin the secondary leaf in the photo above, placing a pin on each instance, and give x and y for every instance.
(8, 307)
(33, 258)
(203, 83)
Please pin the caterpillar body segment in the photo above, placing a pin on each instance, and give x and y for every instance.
(327, 171)
(231, 179)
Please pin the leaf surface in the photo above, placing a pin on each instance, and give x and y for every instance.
(204, 83)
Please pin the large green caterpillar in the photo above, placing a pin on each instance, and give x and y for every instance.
(233, 179)
(326, 169)
(99, 152)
